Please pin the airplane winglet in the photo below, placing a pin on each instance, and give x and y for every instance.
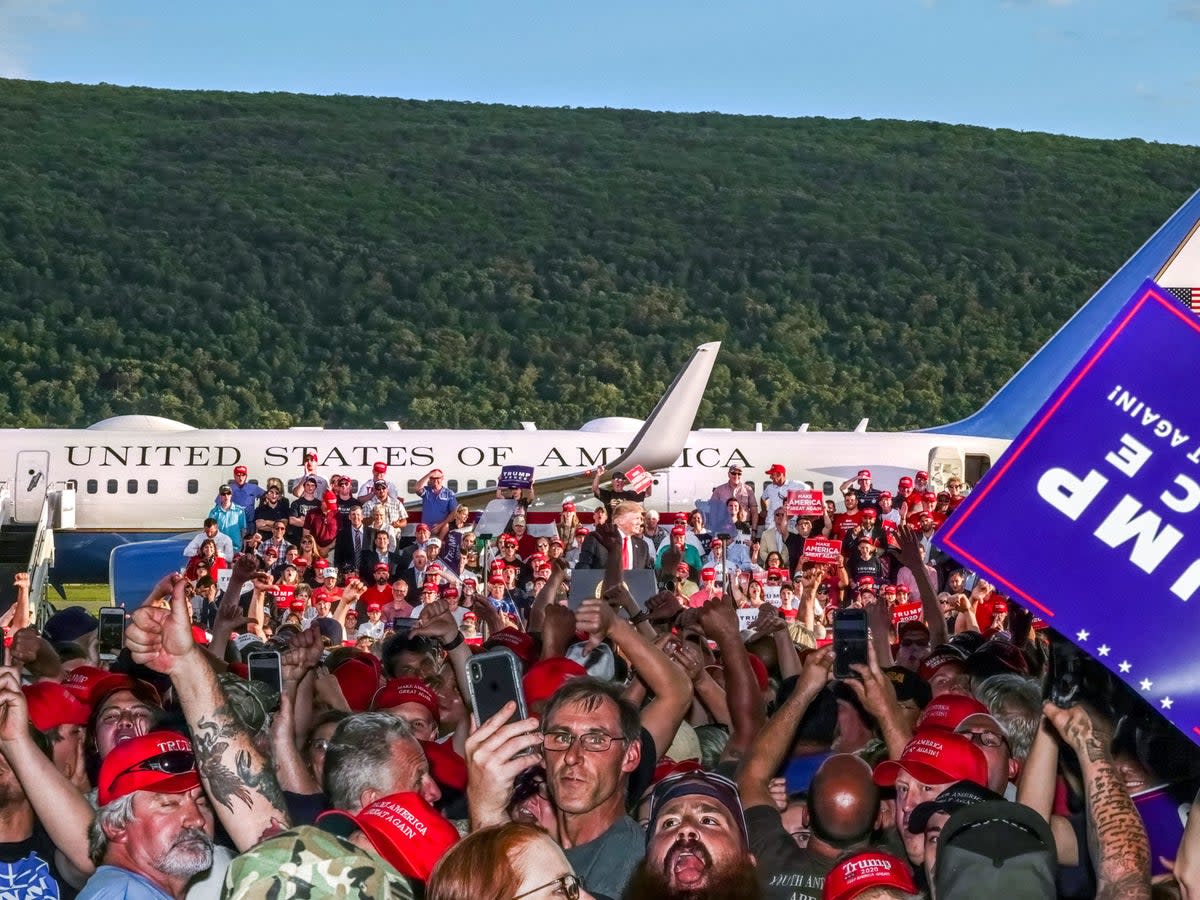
(662, 436)
(665, 432)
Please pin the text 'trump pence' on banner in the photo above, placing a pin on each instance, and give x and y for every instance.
(1091, 518)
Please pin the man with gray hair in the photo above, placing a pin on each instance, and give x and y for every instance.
(372, 755)
(154, 829)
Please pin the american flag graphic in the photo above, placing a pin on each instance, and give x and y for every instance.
(1189, 297)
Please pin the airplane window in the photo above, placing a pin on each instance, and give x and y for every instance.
(112, 485)
(490, 483)
(827, 488)
(354, 487)
(92, 485)
(472, 484)
(193, 486)
(452, 484)
(412, 485)
(152, 486)
(132, 486)
(254, 481)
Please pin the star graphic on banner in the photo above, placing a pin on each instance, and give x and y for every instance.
(1103, 649)
(1147, 684)
(1083, 635)
(1166, 702)
(1124, 667)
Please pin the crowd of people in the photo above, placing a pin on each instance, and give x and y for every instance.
(691, 742)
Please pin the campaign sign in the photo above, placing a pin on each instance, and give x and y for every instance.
(907, 612)
(747, 617)
(823, 550)
(805, 503)
(520, 477)
(452, 550)
(1102, 488)
(639, 480)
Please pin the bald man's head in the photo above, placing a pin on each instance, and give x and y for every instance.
(843, 801)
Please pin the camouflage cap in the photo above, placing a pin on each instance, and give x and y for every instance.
(307, 862)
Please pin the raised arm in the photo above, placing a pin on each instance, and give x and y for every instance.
(58, 805)
(1120, 849)
(770, 745)
(671, 686)
(237, 777)
(1035, 789)
(720, 624)
(912, 559)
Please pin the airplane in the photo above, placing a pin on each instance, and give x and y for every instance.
(136, 478)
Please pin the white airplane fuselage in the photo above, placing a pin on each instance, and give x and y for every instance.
(166, 481)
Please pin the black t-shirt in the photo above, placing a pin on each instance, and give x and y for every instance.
(344, 507)
(266, 513)
(27, 868)
(868, 498)
(785, 871)
(300, 508)
(611, 498)
(857, 568)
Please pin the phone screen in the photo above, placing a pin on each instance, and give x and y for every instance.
(265, 667)
(494, 679)
(403, 623)
(112, 631)
(849, 641)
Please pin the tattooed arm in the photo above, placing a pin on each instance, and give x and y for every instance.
(237, 777)
(1116, 836)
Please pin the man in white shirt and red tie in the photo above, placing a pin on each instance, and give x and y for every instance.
(627, 540)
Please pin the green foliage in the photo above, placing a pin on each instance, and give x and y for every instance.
(268, 260)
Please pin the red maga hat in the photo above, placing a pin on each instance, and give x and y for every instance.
(403, 828)
(396, 691)
(161, 761)
(866, 870)
(936, 757)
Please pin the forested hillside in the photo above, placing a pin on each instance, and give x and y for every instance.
(269, 260)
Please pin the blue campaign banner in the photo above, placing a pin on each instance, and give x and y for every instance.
(1090, 518)
(515, 477)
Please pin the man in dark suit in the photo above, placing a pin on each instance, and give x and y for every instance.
(353, 542)
(623, 536)
(379, 554)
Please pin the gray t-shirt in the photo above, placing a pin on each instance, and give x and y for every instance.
(606, 864)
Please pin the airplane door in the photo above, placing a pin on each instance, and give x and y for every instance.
(943, 463)
(29, 485)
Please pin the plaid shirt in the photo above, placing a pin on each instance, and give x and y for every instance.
(393, 509)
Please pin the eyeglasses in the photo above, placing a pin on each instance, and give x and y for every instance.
(988, 739)
(173, 762)
(568, 883)
(594, 741)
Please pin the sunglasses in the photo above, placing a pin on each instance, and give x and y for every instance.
(173, 762)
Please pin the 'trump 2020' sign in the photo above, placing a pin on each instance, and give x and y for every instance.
(1092, 516)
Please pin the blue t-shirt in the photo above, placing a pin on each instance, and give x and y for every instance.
(436, 506)
(115, 883)
(27, 869)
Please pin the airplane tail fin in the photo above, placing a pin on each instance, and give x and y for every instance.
(1171, 257)
(664, 434)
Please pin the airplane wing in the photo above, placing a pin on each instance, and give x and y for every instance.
(658, 442)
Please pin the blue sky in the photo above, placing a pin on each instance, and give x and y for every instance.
(1096, 68)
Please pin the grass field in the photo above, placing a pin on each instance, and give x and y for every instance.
(90, 596)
